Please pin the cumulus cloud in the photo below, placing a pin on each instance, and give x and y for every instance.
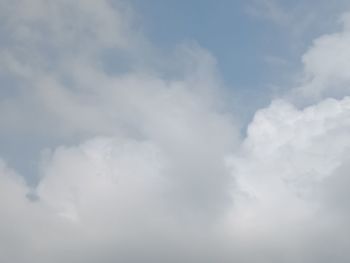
(325, 65)
(290, 152)
(148, 167)
(291, 178)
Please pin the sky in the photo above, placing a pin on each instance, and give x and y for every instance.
(174, 131)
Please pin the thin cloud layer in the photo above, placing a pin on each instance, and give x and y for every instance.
(149, 166)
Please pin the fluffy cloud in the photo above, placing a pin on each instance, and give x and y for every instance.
(289, 154)
(151, 168)
(325, 65)
(147, 168)
(154, 148)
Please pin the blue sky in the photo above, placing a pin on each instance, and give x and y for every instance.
(238, 40)
(258, 44)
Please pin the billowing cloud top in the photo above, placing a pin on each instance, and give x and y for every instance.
(140, 160)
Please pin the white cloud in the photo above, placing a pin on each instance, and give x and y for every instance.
(101, 180)
(289, 151)
(159, 162)
(325, 65)
(290, 178)
(158, 176)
